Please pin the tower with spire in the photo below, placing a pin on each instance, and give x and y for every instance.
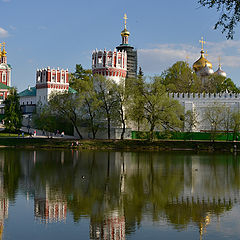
(131, 53)
(5, 68)
(5, 74)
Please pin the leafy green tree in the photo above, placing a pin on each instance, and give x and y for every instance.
(135, 104)
(159, 110)
(235, 124)
(80, 74)
(44, 120)
(217, 84)
(13, 115)
(214, 116)
(121, 102)
(67, 105)
(227, 120)
(180, 78)
(229, 14)
(109, 100)
(91, 108)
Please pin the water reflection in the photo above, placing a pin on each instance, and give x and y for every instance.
(117, 191)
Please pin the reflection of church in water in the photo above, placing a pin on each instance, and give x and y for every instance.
(4, 202)
(203, 190)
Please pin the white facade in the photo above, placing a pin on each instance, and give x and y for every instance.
(48, 81)
(199, 102)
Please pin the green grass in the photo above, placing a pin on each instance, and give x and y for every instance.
(120, 145)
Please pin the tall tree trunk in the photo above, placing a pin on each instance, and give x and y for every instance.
(151, 131)
(123, 130)
(109, 127)
(78, 132)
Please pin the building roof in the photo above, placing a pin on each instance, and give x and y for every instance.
(32, 91)
(3, 86)
(71, 90)
(28, 92)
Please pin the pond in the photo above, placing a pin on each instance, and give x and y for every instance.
(47, 194)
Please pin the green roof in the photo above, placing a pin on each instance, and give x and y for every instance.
(3, 86)
(28, 92)
(71, 90)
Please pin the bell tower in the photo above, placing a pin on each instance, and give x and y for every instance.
(131, 53)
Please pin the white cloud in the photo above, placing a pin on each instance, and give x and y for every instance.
(162, 56)
(3, 33)
(42, 27)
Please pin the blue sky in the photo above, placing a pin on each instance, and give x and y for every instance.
(64, 33)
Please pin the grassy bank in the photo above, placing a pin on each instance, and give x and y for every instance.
(133, 145)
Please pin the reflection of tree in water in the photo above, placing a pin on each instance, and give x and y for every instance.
(117, 190)
(11, 169)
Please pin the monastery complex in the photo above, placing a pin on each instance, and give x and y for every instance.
(119, 64)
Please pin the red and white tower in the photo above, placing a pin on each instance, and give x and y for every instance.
(50, 80)
(110, 64)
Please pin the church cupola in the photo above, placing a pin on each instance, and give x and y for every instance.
(4, 54)
(202, 61)
(220, 72)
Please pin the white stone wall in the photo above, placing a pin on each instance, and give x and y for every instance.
(198, 103)
(28, 100)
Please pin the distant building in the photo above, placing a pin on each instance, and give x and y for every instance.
(48, 80)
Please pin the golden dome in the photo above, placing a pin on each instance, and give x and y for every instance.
(201, 63)
(125, 32)
(4, 53)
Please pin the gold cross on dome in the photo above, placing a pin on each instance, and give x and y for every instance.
(3, 44)
(219, 61)
(202, 42)
(125, 19)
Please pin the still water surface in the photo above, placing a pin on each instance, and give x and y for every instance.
(118, 195)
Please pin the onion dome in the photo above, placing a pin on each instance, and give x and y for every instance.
(4, 51)
(125, 32)
(201, 63)
(220, 72)
(207, 70)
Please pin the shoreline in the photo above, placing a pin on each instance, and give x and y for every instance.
(121, 145)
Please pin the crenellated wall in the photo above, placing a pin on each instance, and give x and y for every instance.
(110, 64)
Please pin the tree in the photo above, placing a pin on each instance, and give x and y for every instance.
(235, 124)
(135, 104)
(109, 101)
(13, 115)
(190, 120)
(159, 110)
(91, 109)
(67, 105)
(229, 16)
(214, 117)
(227, 119)
(45, 120)
(121, 102)
(217, 84)
(180, 78)
(79, 75)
